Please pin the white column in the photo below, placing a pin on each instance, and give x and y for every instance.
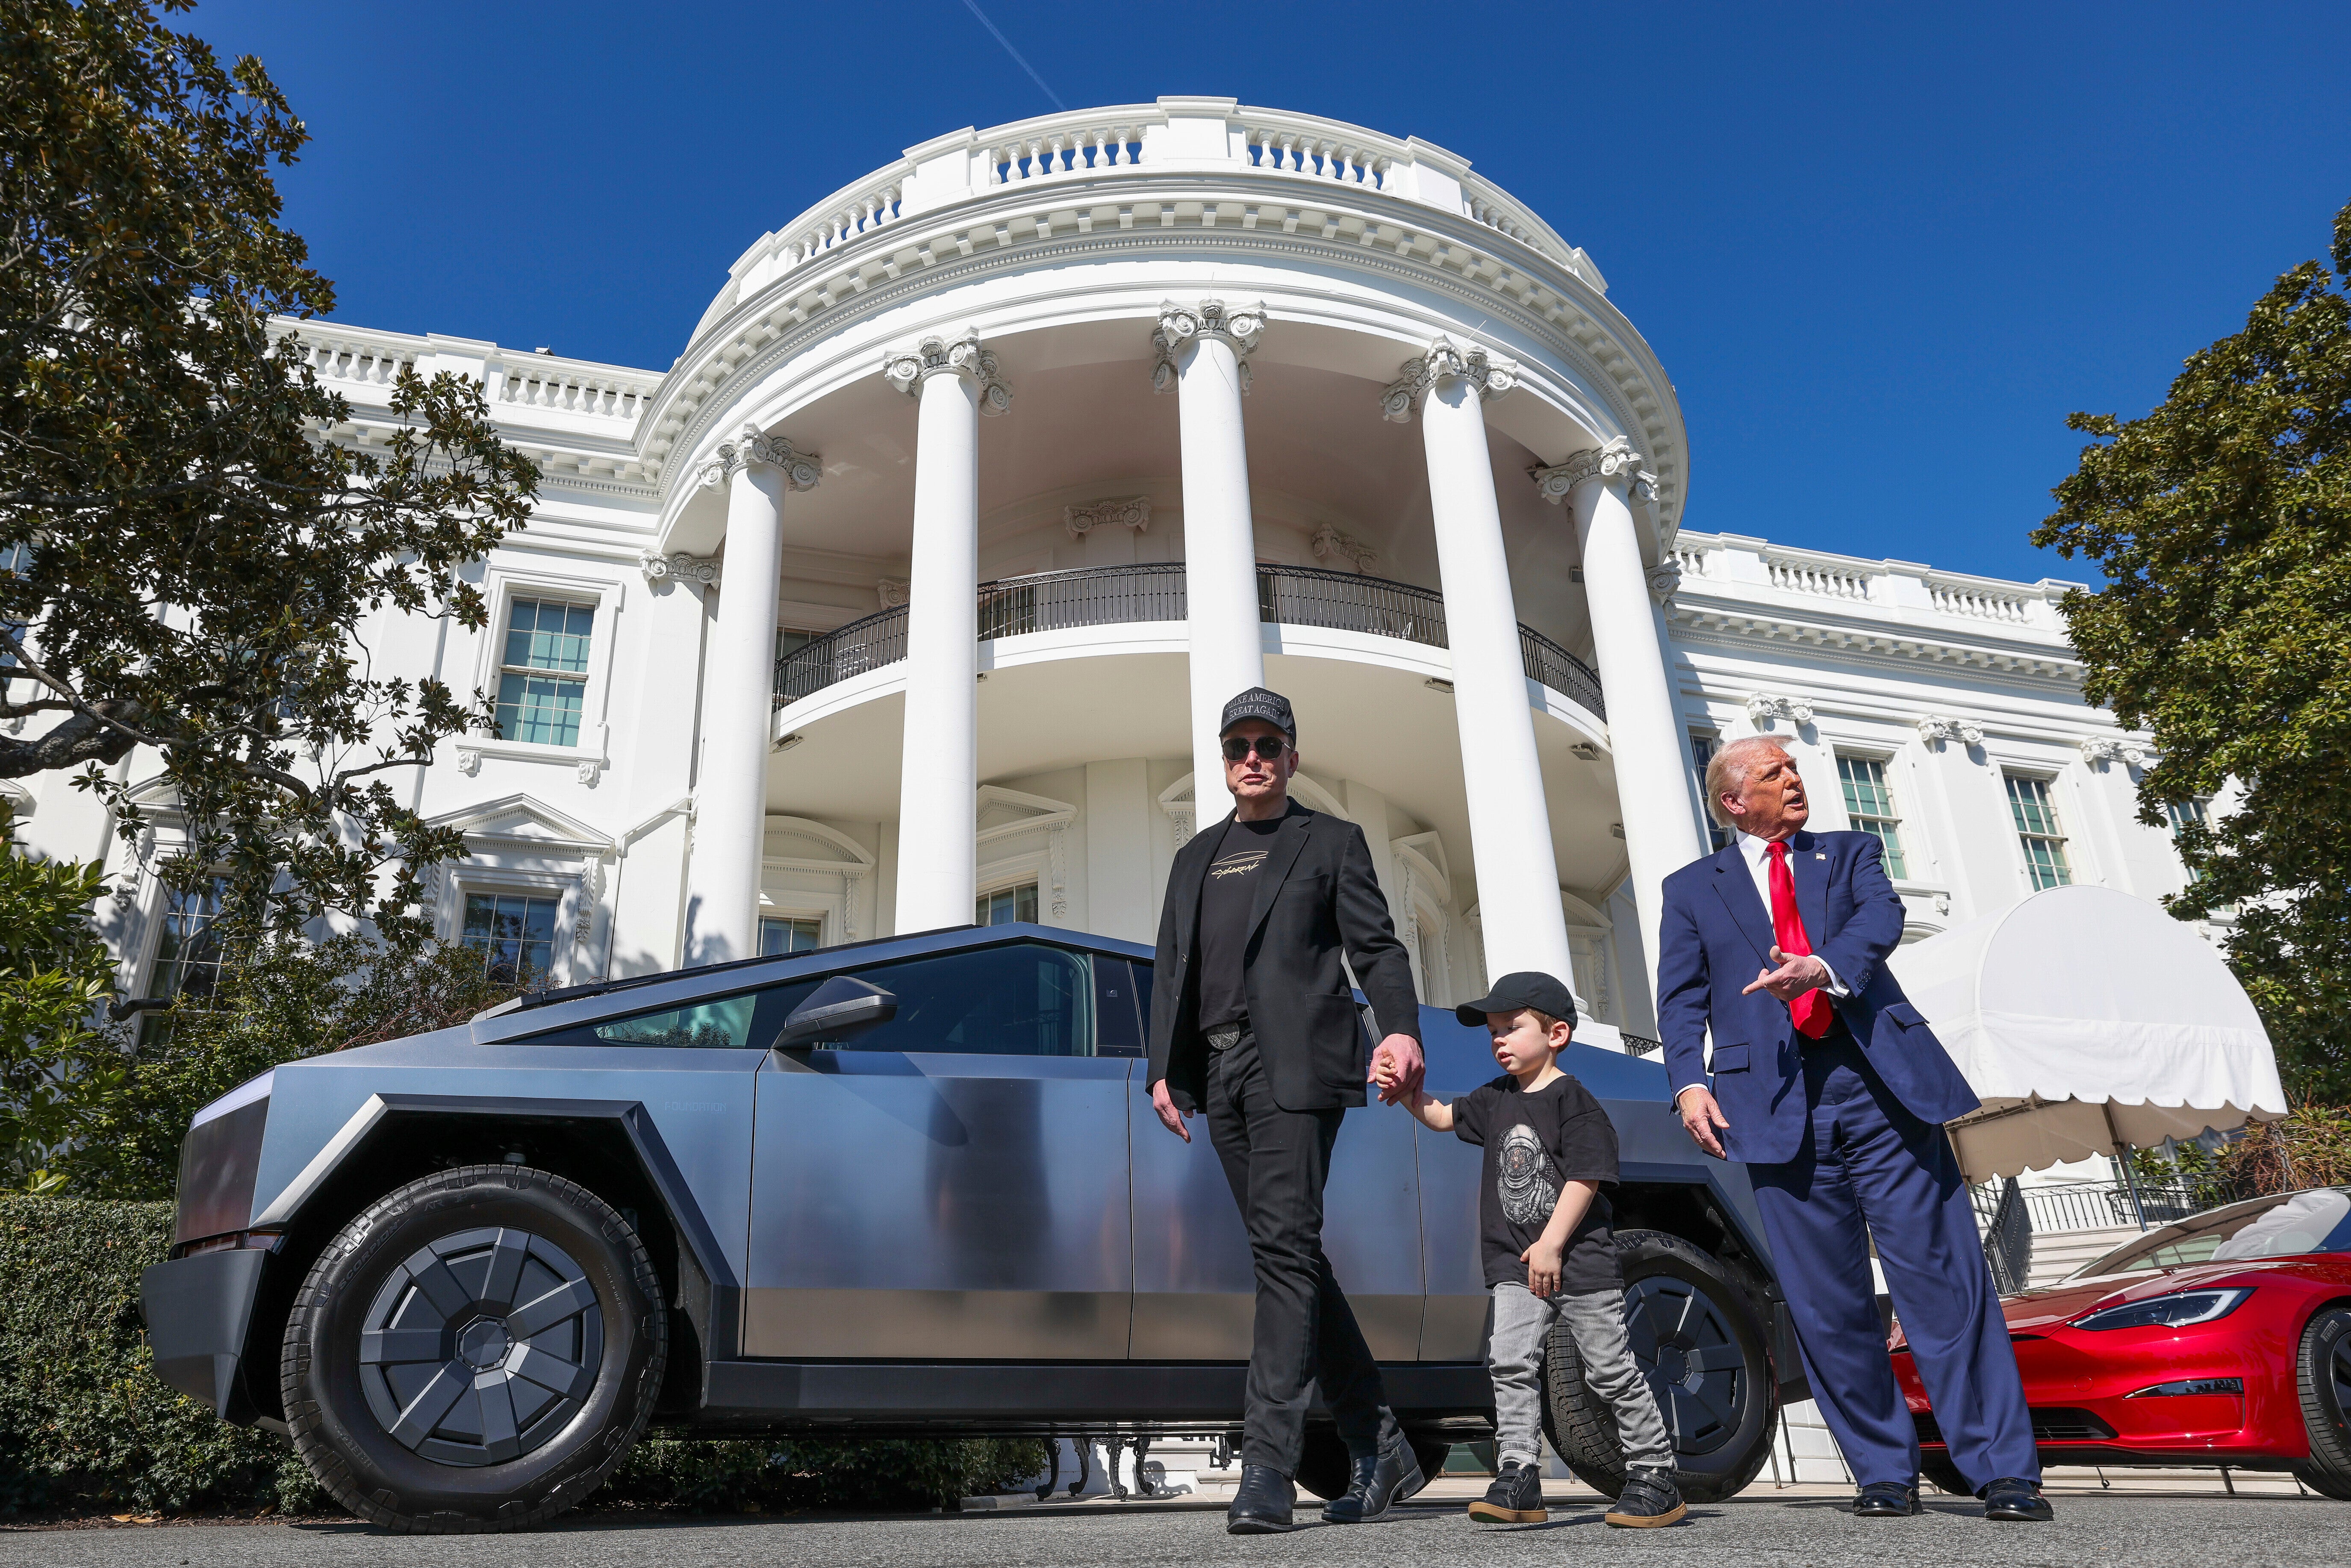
(1510, 824)
(953, 381)
(739, 700)
(1204, 351)
(1650, 749)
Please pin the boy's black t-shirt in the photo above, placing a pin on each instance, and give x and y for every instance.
(1536, 1144)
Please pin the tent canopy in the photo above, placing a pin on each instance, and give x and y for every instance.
(2085, 1019)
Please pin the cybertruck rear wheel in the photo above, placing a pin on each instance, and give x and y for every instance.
(1697, 1338)
(475, 1352)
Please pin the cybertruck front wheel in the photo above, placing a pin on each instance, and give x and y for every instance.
(473, 1353)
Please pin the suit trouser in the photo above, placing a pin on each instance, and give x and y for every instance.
(1871, 1169)
(1276, 1162)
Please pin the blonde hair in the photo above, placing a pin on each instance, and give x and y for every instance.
(1726, 773)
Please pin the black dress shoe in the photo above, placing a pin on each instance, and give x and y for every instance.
(1886, 1499)
(1378, 1480)
(1262, 1505)
(2012, 1497)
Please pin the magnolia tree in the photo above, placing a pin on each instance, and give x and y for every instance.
(188, 553)
(2223, 521)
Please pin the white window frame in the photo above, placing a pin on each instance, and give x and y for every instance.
(463, 877)
(2079, 868)
(502, 586)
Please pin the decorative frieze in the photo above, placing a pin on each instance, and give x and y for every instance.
(1134, 512)
(1935, 728)
(1763, 707)
(2098, 748)
(961, 356)
(1443, 360)
(893, 592)
(679, 566)
(755, 447)
(1330, 540)
(1613, 460)
(1242, 326)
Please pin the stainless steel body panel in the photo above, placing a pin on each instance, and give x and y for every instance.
(1194, 1288)
(921, 1206)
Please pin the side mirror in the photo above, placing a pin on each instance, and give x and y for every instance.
(837, 1009)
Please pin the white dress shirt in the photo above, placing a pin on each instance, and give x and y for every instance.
(1757, 852)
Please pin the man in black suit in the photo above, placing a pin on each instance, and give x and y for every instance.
(1251, 1021)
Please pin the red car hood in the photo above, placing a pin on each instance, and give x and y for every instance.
(2029, 1311)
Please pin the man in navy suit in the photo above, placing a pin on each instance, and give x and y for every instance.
(1832, 1089)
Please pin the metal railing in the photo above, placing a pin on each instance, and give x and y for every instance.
(2008, 1238)
(2107, 1205)
(1119, 595)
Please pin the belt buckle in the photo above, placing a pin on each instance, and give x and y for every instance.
(1224, 1036)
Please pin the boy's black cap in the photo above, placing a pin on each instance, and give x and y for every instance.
(1527, 988)
(1259, 703)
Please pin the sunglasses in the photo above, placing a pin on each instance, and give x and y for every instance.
(1270, 746)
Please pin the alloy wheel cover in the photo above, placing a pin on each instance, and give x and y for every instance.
(1687, 1349)
(481, 1346)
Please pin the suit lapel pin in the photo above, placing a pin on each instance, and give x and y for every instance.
(1820, 856)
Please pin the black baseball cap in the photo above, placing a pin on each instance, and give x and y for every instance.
(1259, 703)
(1527, 988)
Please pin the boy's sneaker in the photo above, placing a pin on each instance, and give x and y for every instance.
(1515, 1498)
(1649, 1499)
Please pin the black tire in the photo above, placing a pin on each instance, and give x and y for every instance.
(2322, 1374)
(488, 1272)
(1679, 1300)
(1938, 1469)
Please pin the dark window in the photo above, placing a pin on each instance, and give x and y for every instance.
(1702, 750)
(514, 934)
(777, 937)
(745, 1021)
(1119, 1022)
(1022, 999)
(1007, 904)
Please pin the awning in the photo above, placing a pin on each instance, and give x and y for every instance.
(2085, 1019)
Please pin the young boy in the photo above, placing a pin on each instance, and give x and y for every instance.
(1549, 1250)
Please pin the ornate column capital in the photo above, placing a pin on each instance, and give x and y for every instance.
(1132, 513)
(1935, 728)
(1445, 360)
(2098, 749)
(1763, 707)
(1665, 581)
(801, 470)
(1613, 460)
(1242, 326)
(678, 567)
(962, 356)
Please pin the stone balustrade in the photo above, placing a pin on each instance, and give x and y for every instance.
(1905, 586)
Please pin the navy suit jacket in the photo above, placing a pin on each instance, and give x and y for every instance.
(1716, 934)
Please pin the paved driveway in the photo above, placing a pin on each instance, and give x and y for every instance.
(1799, 1532)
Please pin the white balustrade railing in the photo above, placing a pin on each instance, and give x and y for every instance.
(574, 392)
(1897, 586)
(1981, 603)
(1012, 154)
(868, 210)
(1830, 580)
(1692, 561)
(1320, 156)
(355, 362)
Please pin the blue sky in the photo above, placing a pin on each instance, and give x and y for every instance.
(1882, 250)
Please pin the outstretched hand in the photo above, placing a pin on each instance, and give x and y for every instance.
(1797, 973)
(1397, 1068)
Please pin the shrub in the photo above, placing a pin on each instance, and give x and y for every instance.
(85, 1425)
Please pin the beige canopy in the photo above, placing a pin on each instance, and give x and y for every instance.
(2087, 1019)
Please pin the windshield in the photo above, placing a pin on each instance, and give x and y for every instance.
(2288, 1226)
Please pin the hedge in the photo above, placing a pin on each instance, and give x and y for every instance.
(85, 1425)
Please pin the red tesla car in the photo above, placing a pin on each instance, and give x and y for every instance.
(2223, 1339)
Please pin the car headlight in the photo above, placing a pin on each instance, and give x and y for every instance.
(2171, 1311)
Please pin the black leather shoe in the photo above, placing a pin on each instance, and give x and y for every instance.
(1378, 1481)
(1262, 1505)
(1887, 1499)
(2011, 1496)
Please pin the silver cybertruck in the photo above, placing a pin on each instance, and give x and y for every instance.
(911, 1186)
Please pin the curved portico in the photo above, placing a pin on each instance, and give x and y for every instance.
(1269, 278)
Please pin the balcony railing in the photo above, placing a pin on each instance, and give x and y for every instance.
(1120, 595)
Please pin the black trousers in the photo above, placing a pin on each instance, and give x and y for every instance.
(1276, 1162)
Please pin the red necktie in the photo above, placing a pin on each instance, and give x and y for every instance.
(1812, 1010)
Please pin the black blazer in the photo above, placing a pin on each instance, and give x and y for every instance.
(1317, 895)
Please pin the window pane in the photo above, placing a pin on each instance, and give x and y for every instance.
(1026, 999)
(778, 936)
(187, 952)
(1869, 803)
(514, 933)
(749, 1022)
(1118, 1017)
(548, 636)
(1006, 905)
(2036, 828)
(1702, 750)
(543, 709)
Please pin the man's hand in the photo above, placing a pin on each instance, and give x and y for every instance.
(1169, 1117)
(1700, 1116)
(1542, 1261)
(1797, 974)
(1397, 1068)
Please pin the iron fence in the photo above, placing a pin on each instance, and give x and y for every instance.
(1118, 595)
(2107, 1205)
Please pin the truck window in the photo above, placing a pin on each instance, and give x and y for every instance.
(1025, 999)
(747, 1022)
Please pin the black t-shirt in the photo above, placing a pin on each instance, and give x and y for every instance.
(1536, 1144)
(1226, 899)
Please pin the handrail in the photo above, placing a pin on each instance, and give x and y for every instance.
(1123, 595)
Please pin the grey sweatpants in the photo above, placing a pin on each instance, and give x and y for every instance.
(1514, 1355)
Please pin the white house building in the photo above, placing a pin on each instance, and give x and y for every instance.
(908, 595)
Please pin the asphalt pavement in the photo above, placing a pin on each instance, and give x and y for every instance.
(1811, 1532)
